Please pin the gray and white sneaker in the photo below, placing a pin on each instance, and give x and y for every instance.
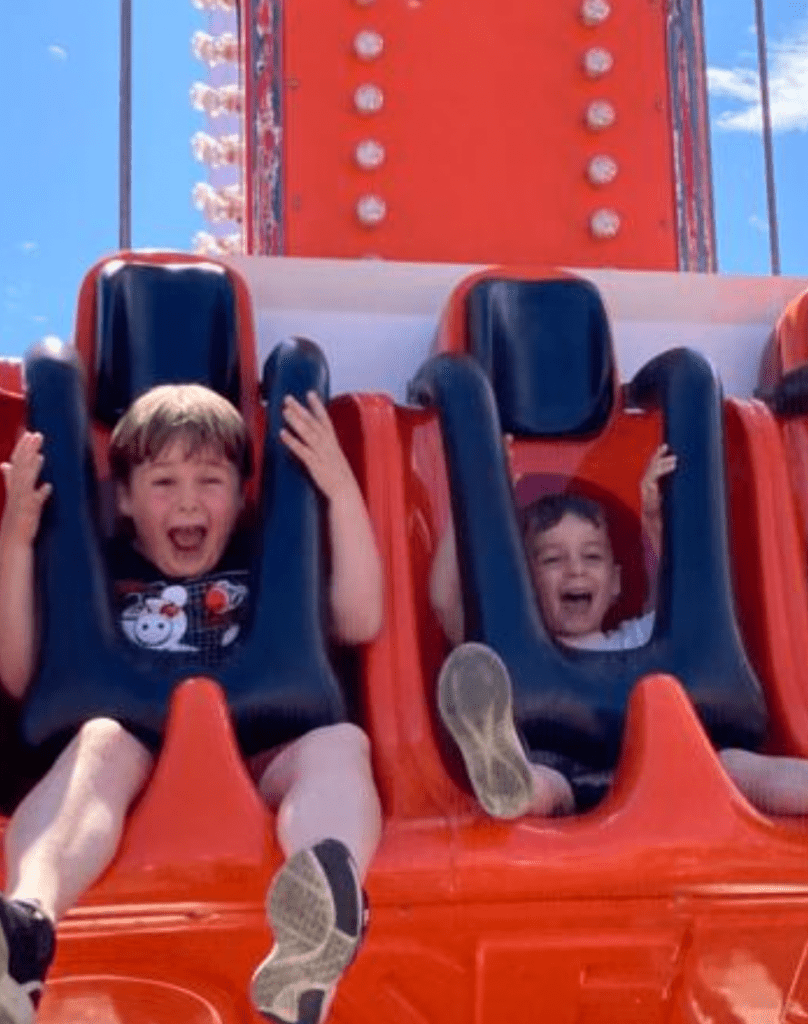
(317, 912)
(476, 705)
(27, 945)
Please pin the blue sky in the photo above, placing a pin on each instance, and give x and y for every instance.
(738, 174)
(59, 74)
(59, 175)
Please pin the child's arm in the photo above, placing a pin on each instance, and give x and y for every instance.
(444, 588)
(662, 462)
(356, 573)
(18, 528)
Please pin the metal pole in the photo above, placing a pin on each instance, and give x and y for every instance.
(768, 149)
(125, 130)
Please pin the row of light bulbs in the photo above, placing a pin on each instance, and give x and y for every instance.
(217, 204)
(210, 5)
(369, 153)
(600, 116)
(368, 98)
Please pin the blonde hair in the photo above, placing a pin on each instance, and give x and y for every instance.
(191, 412)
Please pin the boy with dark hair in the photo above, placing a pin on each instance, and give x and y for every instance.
(179, 458)
(576, 580)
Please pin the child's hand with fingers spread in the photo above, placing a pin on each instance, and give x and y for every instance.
(309, 434)
(25, 498)
(662, 462)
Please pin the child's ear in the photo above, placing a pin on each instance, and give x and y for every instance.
(123, 499)
(617, 582)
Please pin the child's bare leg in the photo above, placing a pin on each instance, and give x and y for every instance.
(67, 829)
(775, 785)
(322, 785)
(329, 824)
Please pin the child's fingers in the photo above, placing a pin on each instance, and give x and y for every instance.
(316, 412)
(27, 469)
(42, 493)
(316, 433)
(27, 444)
(319, 410)
(300, 420)
(296, 446)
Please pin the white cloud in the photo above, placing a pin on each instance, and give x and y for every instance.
(39, 319)
(759, 224)
(788, 89)
(29, 246)
(57, 52)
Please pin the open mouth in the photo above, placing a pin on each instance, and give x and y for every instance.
(187, 539)
(578, 601)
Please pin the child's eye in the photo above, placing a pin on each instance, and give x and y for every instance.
(162, 481)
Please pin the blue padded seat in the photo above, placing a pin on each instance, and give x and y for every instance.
(278, 680)
(568, 701)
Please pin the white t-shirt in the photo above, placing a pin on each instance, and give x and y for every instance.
(629, 634)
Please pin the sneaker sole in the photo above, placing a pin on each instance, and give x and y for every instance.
(315, 911)
(476, 706)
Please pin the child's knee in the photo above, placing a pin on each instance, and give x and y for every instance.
(105, 740)
(338, 746)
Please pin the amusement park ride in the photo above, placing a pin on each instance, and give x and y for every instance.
(408, 183)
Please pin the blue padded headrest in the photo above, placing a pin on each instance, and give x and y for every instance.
(547, 350)
(163, 324)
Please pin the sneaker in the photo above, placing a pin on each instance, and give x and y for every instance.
(316, 909)
(27, 945)
(475, 703)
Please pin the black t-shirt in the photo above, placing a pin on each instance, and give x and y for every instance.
(197, 620)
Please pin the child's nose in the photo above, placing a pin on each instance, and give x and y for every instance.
(189, 498)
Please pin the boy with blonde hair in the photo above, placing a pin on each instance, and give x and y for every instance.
(179, 459)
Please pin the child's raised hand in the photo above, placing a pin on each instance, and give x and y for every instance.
(24, 497)
(309, 434)
(662, 462)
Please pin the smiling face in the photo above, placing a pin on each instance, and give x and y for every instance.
(575, 575)
(183, 506)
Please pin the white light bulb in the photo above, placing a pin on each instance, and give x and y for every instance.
(371, 210)
(605, 223)
(598, 62)
(602, 169)
(369, 154)
(600, 114)
(368, 99)
(595, 12)
(368, 45)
